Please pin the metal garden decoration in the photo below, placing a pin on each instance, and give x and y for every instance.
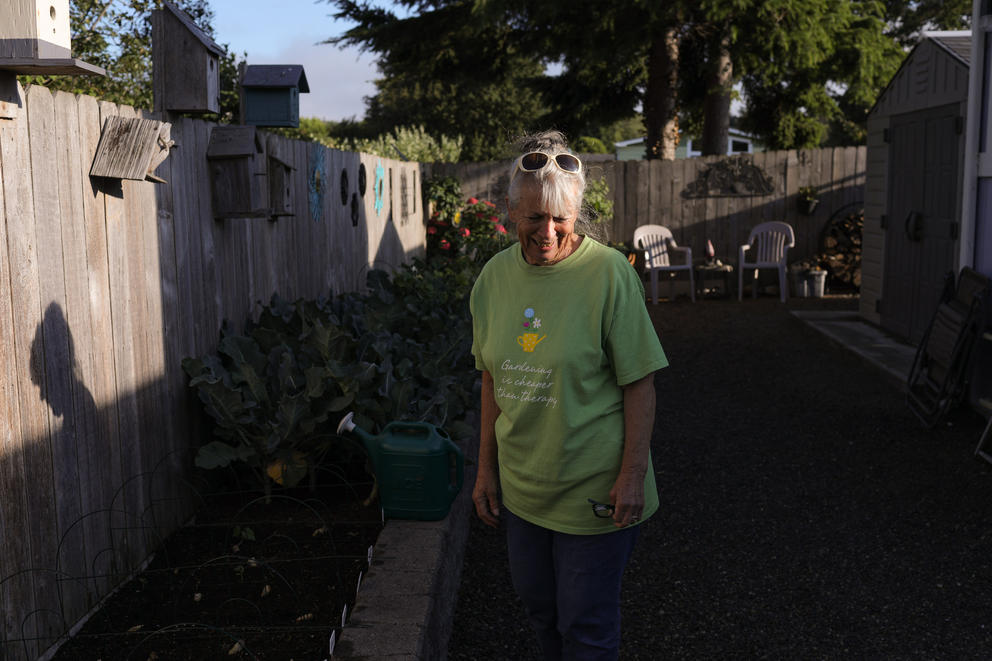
(380, 175)
(317, 184)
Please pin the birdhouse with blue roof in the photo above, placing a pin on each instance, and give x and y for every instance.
(271, 94)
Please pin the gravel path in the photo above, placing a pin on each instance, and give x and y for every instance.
(805, 513)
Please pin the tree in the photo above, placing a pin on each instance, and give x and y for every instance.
(445, 69)
(116, 35)
(615, 55)
(907, 19)
(810, 69)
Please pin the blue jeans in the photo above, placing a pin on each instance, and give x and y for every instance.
(570, 587)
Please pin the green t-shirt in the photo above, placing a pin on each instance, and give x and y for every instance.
(559, 342)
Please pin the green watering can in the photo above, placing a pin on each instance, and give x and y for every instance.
(418, 467)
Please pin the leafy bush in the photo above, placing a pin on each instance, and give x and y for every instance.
(597, 202)
(401, 351)
(454, 229)
(589, 145)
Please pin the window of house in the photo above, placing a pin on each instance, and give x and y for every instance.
(739, 146)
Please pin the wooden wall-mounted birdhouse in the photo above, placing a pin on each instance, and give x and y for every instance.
(37, 29)
(132, 148)
(280, 177)
(34, 39)
(238, 172)
(270, 94)
(185, 63)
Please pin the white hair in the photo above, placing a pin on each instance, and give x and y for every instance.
(560, 191)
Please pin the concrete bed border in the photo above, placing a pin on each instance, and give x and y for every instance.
(406, 600)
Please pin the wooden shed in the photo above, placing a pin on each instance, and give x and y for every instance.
(914, 183)
(185, 63)
(271, 94)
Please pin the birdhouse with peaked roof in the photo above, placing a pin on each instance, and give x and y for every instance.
(185, 63)
(271, 94)
(238, 172)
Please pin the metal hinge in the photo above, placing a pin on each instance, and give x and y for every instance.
(878, 306)
(883, 220)
(886, 136)
(953, 230)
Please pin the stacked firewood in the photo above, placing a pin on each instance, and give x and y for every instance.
(841, 248)
(840, 252)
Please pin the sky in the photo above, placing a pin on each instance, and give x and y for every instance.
(289, 32)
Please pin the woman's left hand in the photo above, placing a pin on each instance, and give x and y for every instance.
(627, 496)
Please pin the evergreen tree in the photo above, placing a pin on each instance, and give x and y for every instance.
(810, 69)
(446, 69)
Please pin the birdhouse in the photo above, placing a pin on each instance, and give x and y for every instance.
(185, 63)
(35, 29)
(271, 94)
(132, 148)
(34, 39)
(238, 172)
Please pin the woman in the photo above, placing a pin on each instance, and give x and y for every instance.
(567, 354)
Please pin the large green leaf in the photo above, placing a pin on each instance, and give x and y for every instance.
(225, 405)
(316, 378)
(292, 411)
(217, 454)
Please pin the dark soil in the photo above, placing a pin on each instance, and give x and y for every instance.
(271, 578)
(805, 512)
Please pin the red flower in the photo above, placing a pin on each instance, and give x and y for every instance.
(500, 229)
(493, 219)
(445, 245)
(488, 203)
(465, 231)
(473, 200)
(431, 229)
(441, 223)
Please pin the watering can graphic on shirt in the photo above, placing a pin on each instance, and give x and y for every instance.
(418, 467)
(529, 340)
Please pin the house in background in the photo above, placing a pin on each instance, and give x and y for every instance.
(738, 142)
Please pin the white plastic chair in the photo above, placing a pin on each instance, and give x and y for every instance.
(658, 245)
(770, 243)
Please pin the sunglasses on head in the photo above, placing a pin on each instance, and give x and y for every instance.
(537, 160)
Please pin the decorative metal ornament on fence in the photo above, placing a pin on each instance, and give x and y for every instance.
(380, 175)
(317, 184)
(344, 186)
(736, 176)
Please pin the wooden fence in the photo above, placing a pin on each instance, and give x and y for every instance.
(104, 288)
(651, 192)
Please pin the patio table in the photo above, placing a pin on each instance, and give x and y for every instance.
(714, 271)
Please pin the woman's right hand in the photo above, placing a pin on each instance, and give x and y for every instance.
(485, 495)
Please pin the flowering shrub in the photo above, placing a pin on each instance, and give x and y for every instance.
(473, 228)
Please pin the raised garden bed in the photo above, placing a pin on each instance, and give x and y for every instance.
(245, 580)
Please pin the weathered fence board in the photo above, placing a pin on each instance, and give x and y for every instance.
(17, 595)
(105, 286)
(97, 371)
(22, 246)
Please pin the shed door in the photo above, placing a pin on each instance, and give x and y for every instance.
(923, 211)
